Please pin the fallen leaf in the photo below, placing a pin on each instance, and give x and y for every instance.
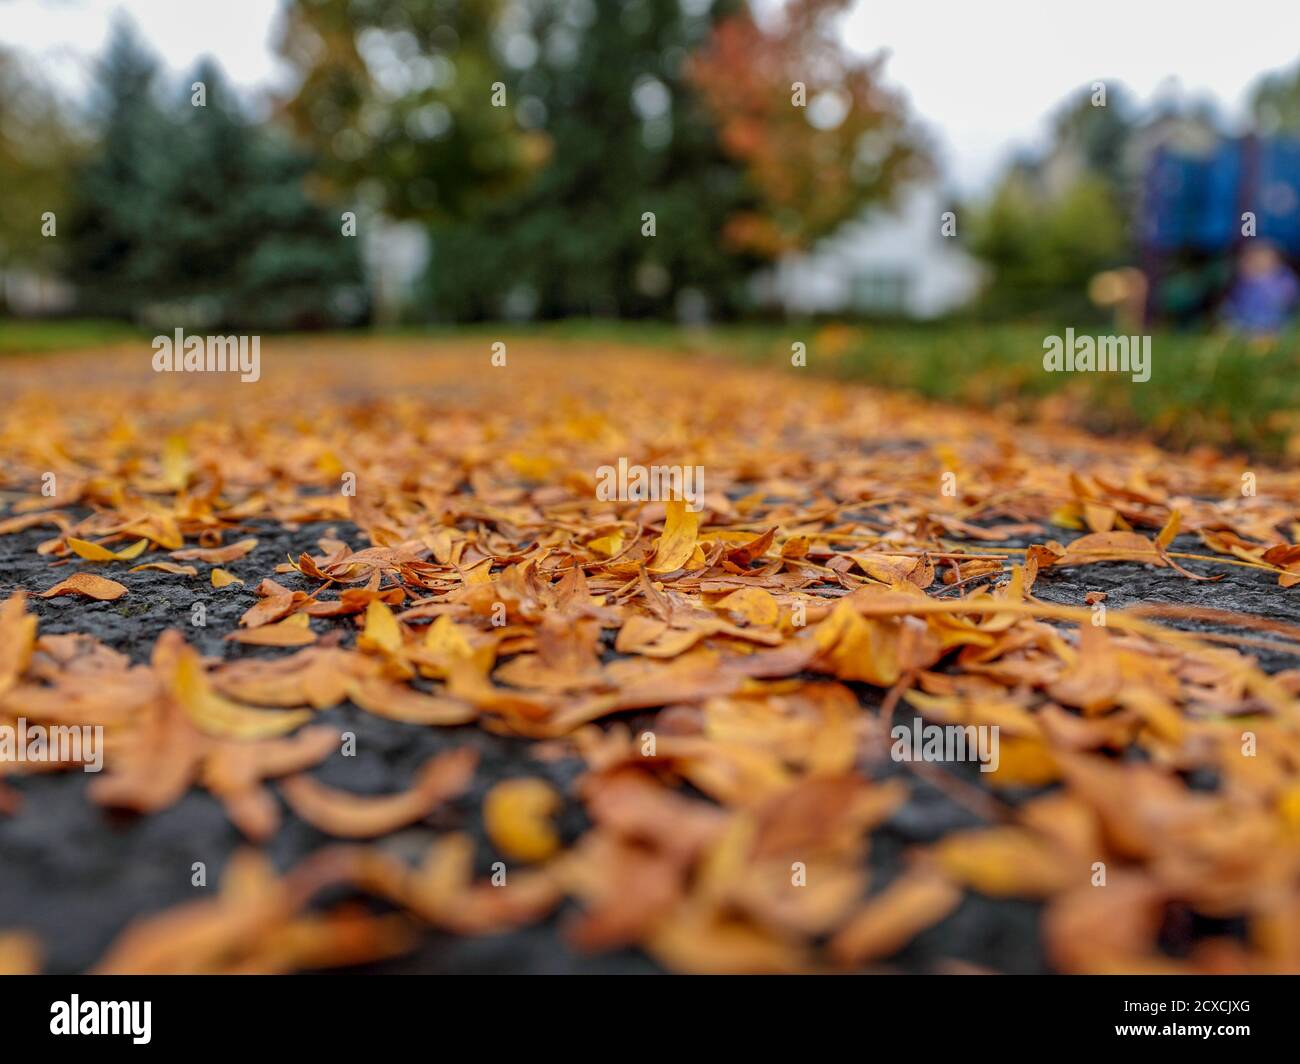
(354, 816)
(87, 585)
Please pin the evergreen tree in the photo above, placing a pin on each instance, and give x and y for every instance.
(114, 259)
(192, 215)
(628, 137)
(246, 246)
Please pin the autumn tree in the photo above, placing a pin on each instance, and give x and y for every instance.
(397, 98)
(37, 147)
(819, 136)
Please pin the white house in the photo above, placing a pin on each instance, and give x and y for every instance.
(885, 263)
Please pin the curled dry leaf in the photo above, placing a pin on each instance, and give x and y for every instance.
(292, 632)
(677, 545)
(166, 567)
(887, 922)
(353, 816)
(182, 676)
(87, 585)
(217, 555)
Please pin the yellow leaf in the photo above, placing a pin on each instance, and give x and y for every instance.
(17, 639)
(607, 546)
(293, 632)
(221, 578)
(753, 604)
(1008, 862)
(166, 567)
(1170, 530)
(444, 636)
(93, 552)
(677, 544)
(20, 953)
(182, 675)
(382, 632)
(176, 463)
(517, 814)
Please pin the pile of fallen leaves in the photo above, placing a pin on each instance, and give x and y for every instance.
(841, 576)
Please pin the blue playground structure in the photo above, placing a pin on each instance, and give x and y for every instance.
(1191, 226)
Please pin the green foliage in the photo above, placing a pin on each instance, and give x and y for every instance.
(1275, 103)
(36, 149)
(191, 215)
(27, 337)
(627, 137)
(1098, 133)
(394, 98)
(1043, 251)
(537, 207)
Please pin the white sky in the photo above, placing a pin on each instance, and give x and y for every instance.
(981, 74)
(984, 74)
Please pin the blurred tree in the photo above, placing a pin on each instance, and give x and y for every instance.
(395, 97)
(113, 259)
(193, 215)
(37, 148)
(247, 247)
(627, 216)
(1275, 103)
(819, 136)
(1097, 135)
(1042, 251)
(1058, 217)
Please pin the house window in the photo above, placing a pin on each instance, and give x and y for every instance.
(881, 292)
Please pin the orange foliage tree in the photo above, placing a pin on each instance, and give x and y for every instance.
(817, 133)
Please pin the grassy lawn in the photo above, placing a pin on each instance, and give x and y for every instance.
(1204, 389)
(19, 336)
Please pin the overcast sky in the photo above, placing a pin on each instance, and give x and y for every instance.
(981, 74)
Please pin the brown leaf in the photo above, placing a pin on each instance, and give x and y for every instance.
(353, 816)
(87, 585)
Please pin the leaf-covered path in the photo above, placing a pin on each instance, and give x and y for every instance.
(372, 647)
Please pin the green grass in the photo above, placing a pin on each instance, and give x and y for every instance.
(1212, 390)
(1205, 389)
(18, 336)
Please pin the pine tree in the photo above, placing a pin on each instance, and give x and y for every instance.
(116, 192)
(247, 246)
(628, 137)
(189, 214)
